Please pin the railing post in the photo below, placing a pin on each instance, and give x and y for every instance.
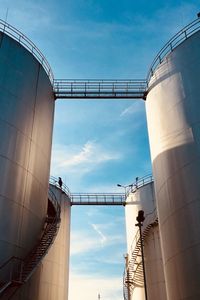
(127, 276)
(185, 32)
(140, 218)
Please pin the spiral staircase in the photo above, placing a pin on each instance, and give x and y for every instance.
(133, 272)
(16, 271)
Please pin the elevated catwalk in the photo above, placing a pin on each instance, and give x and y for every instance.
(100, 89)
(28, 90)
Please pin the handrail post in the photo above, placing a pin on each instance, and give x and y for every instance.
(185, 32)
(127, 276)
(140, 219)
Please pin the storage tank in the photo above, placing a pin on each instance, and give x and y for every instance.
(51, 277)
(173, 114)
(26, 122)
(142, 197)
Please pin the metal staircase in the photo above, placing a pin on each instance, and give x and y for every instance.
(133, 273)
(16, 271)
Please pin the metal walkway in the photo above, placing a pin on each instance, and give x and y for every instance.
(102, 198)
(98, 199)
(100, 89)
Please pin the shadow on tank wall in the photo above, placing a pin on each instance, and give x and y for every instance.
(177, 173)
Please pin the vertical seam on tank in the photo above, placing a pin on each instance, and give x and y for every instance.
(27, 171)
(1, 40)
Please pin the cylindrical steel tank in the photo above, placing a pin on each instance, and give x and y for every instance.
(50, 280)
(154, 264)
(142, 197)
(173, 114)
(26, 122)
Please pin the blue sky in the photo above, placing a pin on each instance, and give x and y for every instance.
(98, 144)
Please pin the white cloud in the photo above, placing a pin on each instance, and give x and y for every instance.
(87, 287)
(103, 238)
(134, 108)
(83, 242)
(90, 153)
(80, 159)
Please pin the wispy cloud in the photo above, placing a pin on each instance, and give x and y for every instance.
(91, 152)
(103, 238)
(86, 241)
(83, 242)
(85, 158)
(134, 108)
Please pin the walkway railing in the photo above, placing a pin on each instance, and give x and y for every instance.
(176, 40)
(95, 88)
(139, 182)
(99, 89)
(54, 181)
(28, 44)
(98, 199)
(101, 198)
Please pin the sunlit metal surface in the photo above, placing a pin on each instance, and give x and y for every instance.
(176, 40)
(26, 121)
(53, 272)
(143, 198)
(173, 113)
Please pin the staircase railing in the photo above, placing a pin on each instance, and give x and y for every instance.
(133, 272)
(40, 250)
(16, 271)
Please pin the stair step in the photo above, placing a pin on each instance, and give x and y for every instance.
(31, 262)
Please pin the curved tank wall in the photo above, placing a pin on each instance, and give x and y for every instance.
(173, 114)
(26, 120)
(140, 199)
(50, 280)
(143, 198)
(154, 265)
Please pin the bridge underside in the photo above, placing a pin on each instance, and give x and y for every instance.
(98, 199)
(100, 89)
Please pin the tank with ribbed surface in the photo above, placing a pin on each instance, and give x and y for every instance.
(173, 114)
